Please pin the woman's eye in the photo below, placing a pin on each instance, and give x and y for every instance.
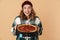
(29, 7)
(24, 8)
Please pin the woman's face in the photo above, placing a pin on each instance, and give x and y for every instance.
(27, 9)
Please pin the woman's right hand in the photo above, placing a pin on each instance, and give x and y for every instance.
(15, 28)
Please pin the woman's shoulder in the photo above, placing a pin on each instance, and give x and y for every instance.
(37, 17)
(17, 17)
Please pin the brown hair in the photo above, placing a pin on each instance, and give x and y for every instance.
(23, 16)
(32, 14)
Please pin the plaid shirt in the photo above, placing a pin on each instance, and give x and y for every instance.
(17, 21)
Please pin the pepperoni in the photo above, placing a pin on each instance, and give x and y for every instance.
(26, 28)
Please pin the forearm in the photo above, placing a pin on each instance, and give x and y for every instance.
(13, 30)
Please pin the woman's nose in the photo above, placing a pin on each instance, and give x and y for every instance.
(27, 9)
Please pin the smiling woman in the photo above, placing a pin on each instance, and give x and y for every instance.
(28, 17)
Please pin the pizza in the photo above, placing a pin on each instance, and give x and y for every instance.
(26, 28)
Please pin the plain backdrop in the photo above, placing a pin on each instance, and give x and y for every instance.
(47, 10)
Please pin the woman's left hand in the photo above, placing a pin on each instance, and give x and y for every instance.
(38, 28)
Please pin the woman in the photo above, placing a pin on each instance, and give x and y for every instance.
(27, 16)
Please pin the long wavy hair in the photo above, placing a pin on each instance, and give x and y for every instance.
(23, 16)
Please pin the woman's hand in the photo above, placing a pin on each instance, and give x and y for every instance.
(15, 28)
(38, 28)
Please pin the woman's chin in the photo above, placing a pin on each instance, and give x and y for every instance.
(27, 15)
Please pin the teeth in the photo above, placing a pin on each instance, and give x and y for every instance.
(26, 13)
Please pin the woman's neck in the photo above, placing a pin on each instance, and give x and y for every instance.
(28, 17)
